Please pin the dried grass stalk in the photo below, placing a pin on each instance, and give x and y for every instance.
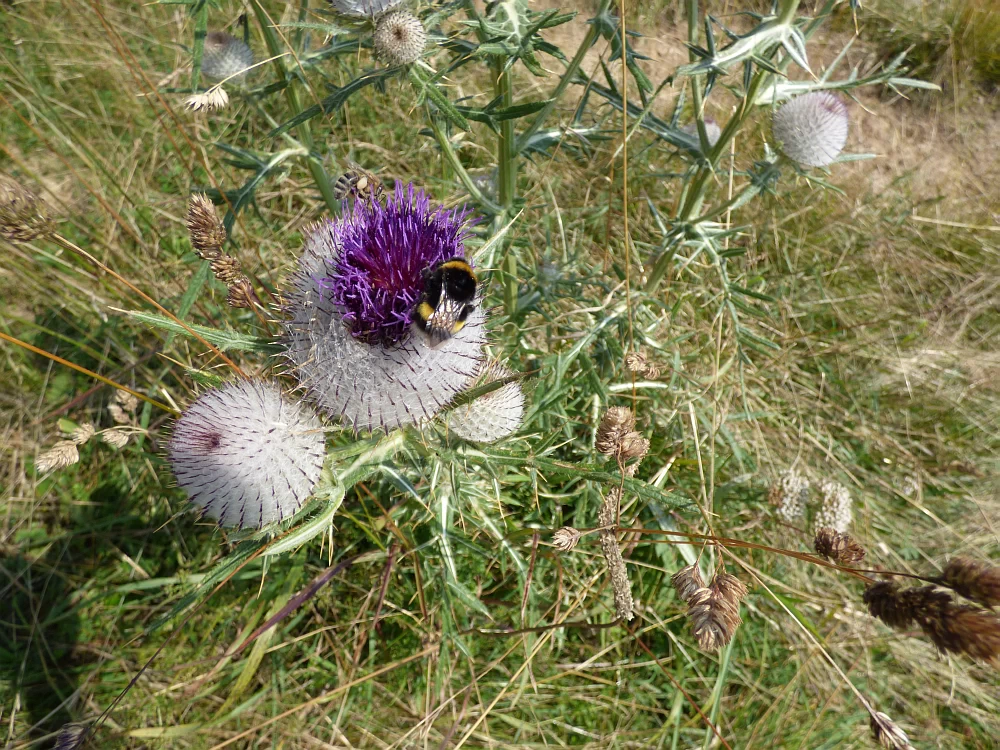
(620, 584)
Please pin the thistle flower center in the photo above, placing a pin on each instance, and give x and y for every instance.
(385, 251)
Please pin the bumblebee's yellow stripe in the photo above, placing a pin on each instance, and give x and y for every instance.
(460, 265)
(425, 311)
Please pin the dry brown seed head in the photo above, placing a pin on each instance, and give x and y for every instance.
(207, 233)
(127, 400)
(841, 548)
(633, 446)
(618, 421)
(686, 581)
(226, 269)
(566, 538)
(118, 414)
(23, 216)
(241, 293)
(977, 581)
(887, 734)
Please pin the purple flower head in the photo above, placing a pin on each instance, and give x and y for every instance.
(384, 252)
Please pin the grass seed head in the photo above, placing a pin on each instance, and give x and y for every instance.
(687, 581)
(23, 216)
(59, 456)
(214, 99)
(566, 538)
(618, 421)
(812, 128)
(115, 438)
(714, 611)
(246, 454)
(82, 434)
(207, 233)
(225, 58)
(841, 548)
(637, 364)
(976, 581)
(887, 733)
(70, 737)
(399, 38)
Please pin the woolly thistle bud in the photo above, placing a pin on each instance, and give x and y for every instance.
(207, 233)
(789, 495)
(618, 421)
(399, 38)
(350, 334)
(841, 548)
(812, 128)
(246, 455)
(494, 415)
(357, 8)
(225, 57)
(712, 130)
(835, 509)
(23, 217)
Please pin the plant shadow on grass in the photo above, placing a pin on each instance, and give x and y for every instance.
(45, 640)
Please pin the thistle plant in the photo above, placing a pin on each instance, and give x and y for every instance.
(315, 401)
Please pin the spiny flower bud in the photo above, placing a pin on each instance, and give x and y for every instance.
(399, 38)
(566, 538)
(59, 456)
(812, 128)
(247, 455)
(225, 57)
(23, 216)
(207, 233)
(687, 581)
(789, 495)
(835, 509)
(492, 416)
(841, 548)
(979, 582)
(618, 421)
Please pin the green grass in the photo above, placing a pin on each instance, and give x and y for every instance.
(884, 374)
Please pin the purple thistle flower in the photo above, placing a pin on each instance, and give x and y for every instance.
(246, 455)
(384, 252)
(351, 312)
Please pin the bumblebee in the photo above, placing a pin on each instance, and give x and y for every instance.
(447, 301)
(360, 183)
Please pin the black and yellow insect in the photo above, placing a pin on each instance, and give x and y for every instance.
(447, 301)
(359, 183)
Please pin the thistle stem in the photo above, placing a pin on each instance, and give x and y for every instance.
(507, 180)
(319, 174)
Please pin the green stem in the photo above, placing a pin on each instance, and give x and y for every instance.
(456, 164)
(696, 99)
(565, 81)
(507, 180)
(319, 174)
